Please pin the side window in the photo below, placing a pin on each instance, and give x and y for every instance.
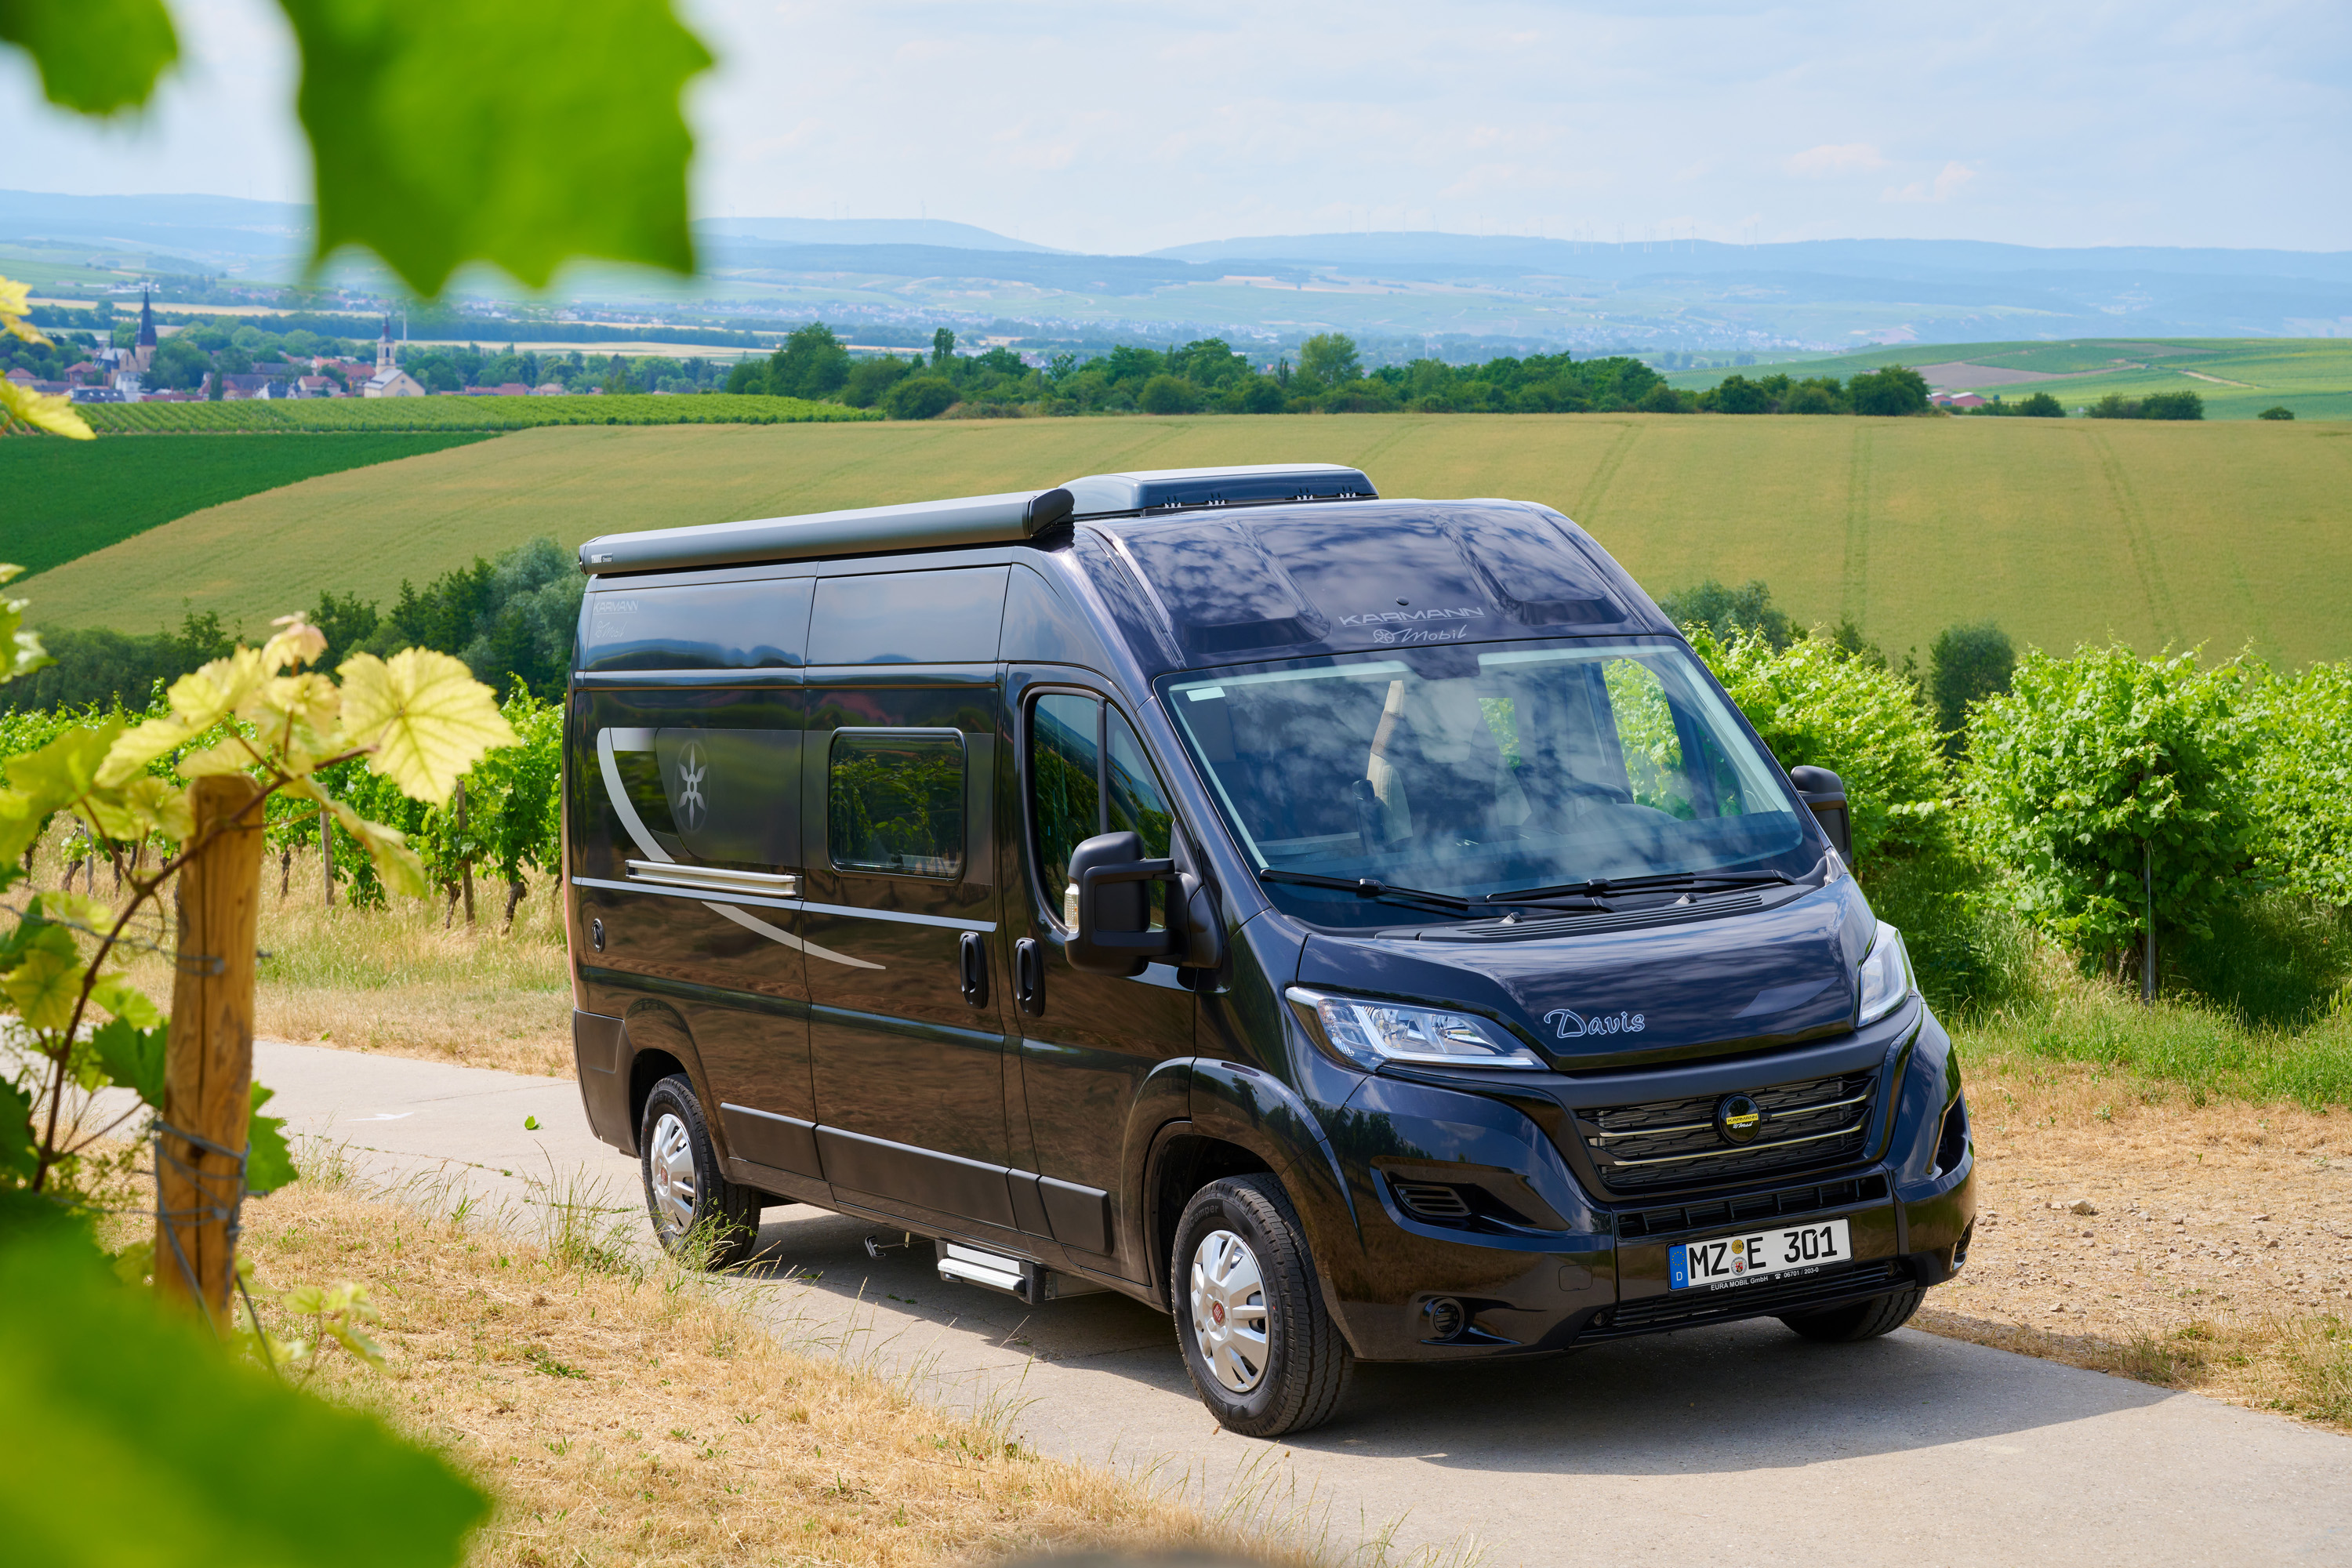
(1088, 774)
(1064, 779)
(1137, 804)
(894, 802)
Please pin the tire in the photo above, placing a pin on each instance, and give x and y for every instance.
(698, 1213)
(1272, 1360)
(1858, 1321)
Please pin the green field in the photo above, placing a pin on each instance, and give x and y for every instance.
(2237, 377)
(67, 498)
(344, 414)
(2231, 535)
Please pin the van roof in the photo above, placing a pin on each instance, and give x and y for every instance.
(970, 520)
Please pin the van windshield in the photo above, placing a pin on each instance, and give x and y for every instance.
(1472, 771)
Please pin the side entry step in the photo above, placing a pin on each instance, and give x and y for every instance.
(1017, 1277)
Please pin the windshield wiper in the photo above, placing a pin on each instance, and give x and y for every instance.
(1368, 887)
(1595, 889)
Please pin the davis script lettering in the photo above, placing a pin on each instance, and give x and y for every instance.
(1575, 1026)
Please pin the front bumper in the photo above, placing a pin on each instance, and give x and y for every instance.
(1401, 1282)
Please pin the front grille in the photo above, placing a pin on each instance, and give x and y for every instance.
(1768, 1299)
(1432, 1201)
(1812, 1125)
(1636, 1223)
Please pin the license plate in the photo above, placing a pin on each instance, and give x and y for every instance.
(1758, 1255)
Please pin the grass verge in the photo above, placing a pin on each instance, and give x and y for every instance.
(626, 1411)
(411, 980)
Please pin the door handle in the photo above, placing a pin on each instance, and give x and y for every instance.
(972, 968)
(1029, 977)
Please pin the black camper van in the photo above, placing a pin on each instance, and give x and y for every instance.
(1358, 927)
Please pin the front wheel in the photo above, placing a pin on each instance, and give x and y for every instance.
(698, 1213)
(1260, 1348)
(1858, 1321)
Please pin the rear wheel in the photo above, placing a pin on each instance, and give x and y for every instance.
(1858, 1321)
(698, 1213)
(1262, 1349)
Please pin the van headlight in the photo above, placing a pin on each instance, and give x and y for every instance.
(1370, 1034)
(1886, 974)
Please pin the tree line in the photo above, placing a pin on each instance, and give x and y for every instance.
(1209, 376)
(511, 620)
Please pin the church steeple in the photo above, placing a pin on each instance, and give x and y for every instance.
(384, 361)
(146, 320)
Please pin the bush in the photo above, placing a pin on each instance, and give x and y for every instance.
(1167, 395)
(1813, 703)
(2303, 779)
(1819, 396)
(2154, 406)
(2276, 411)
(1729, 612)
(1893, 391)
(2042, 406)
(2090, 768)
(1966, 665)
(921, 397)
(1737, 395)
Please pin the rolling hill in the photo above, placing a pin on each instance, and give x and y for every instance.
(2063, 530)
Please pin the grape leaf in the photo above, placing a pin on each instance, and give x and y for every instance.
(521, 133)
(43, 988)
(427, 717)
(96, 56)
(132, 1058)
(268, 1163)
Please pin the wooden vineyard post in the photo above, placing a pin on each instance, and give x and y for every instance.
(208, 1063)
(464, 867)
(327, 850)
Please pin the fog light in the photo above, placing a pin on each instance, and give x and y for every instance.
(1445, 1318)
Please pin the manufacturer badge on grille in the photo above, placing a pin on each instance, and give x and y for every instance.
(1737, 1119)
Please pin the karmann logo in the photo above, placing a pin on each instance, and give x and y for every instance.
(1576, 1025)
(1410, 617)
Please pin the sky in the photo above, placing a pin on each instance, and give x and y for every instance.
(1120, 126)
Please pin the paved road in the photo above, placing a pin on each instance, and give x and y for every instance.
(1740, 1443)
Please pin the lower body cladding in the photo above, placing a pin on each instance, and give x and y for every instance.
(1471, 1237)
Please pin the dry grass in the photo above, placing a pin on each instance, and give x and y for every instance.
(2125, 1227)
(396, 980)
(626, 1411)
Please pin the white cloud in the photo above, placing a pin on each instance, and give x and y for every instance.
(1951, 178)
(1843, 158)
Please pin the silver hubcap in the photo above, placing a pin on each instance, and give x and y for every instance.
(670, 1159)
(1229, 1319)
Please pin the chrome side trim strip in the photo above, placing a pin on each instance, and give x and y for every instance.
(664, 890)
(780, 884)
(901, 917)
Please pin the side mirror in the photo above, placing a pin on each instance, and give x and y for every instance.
(1114, 934)
(1825, 791)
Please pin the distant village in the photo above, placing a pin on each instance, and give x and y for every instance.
(122, 374)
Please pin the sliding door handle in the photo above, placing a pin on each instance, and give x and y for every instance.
(1029, 977)
(972, 968)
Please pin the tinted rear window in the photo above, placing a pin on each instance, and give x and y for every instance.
(758, 624)
(908, 617)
